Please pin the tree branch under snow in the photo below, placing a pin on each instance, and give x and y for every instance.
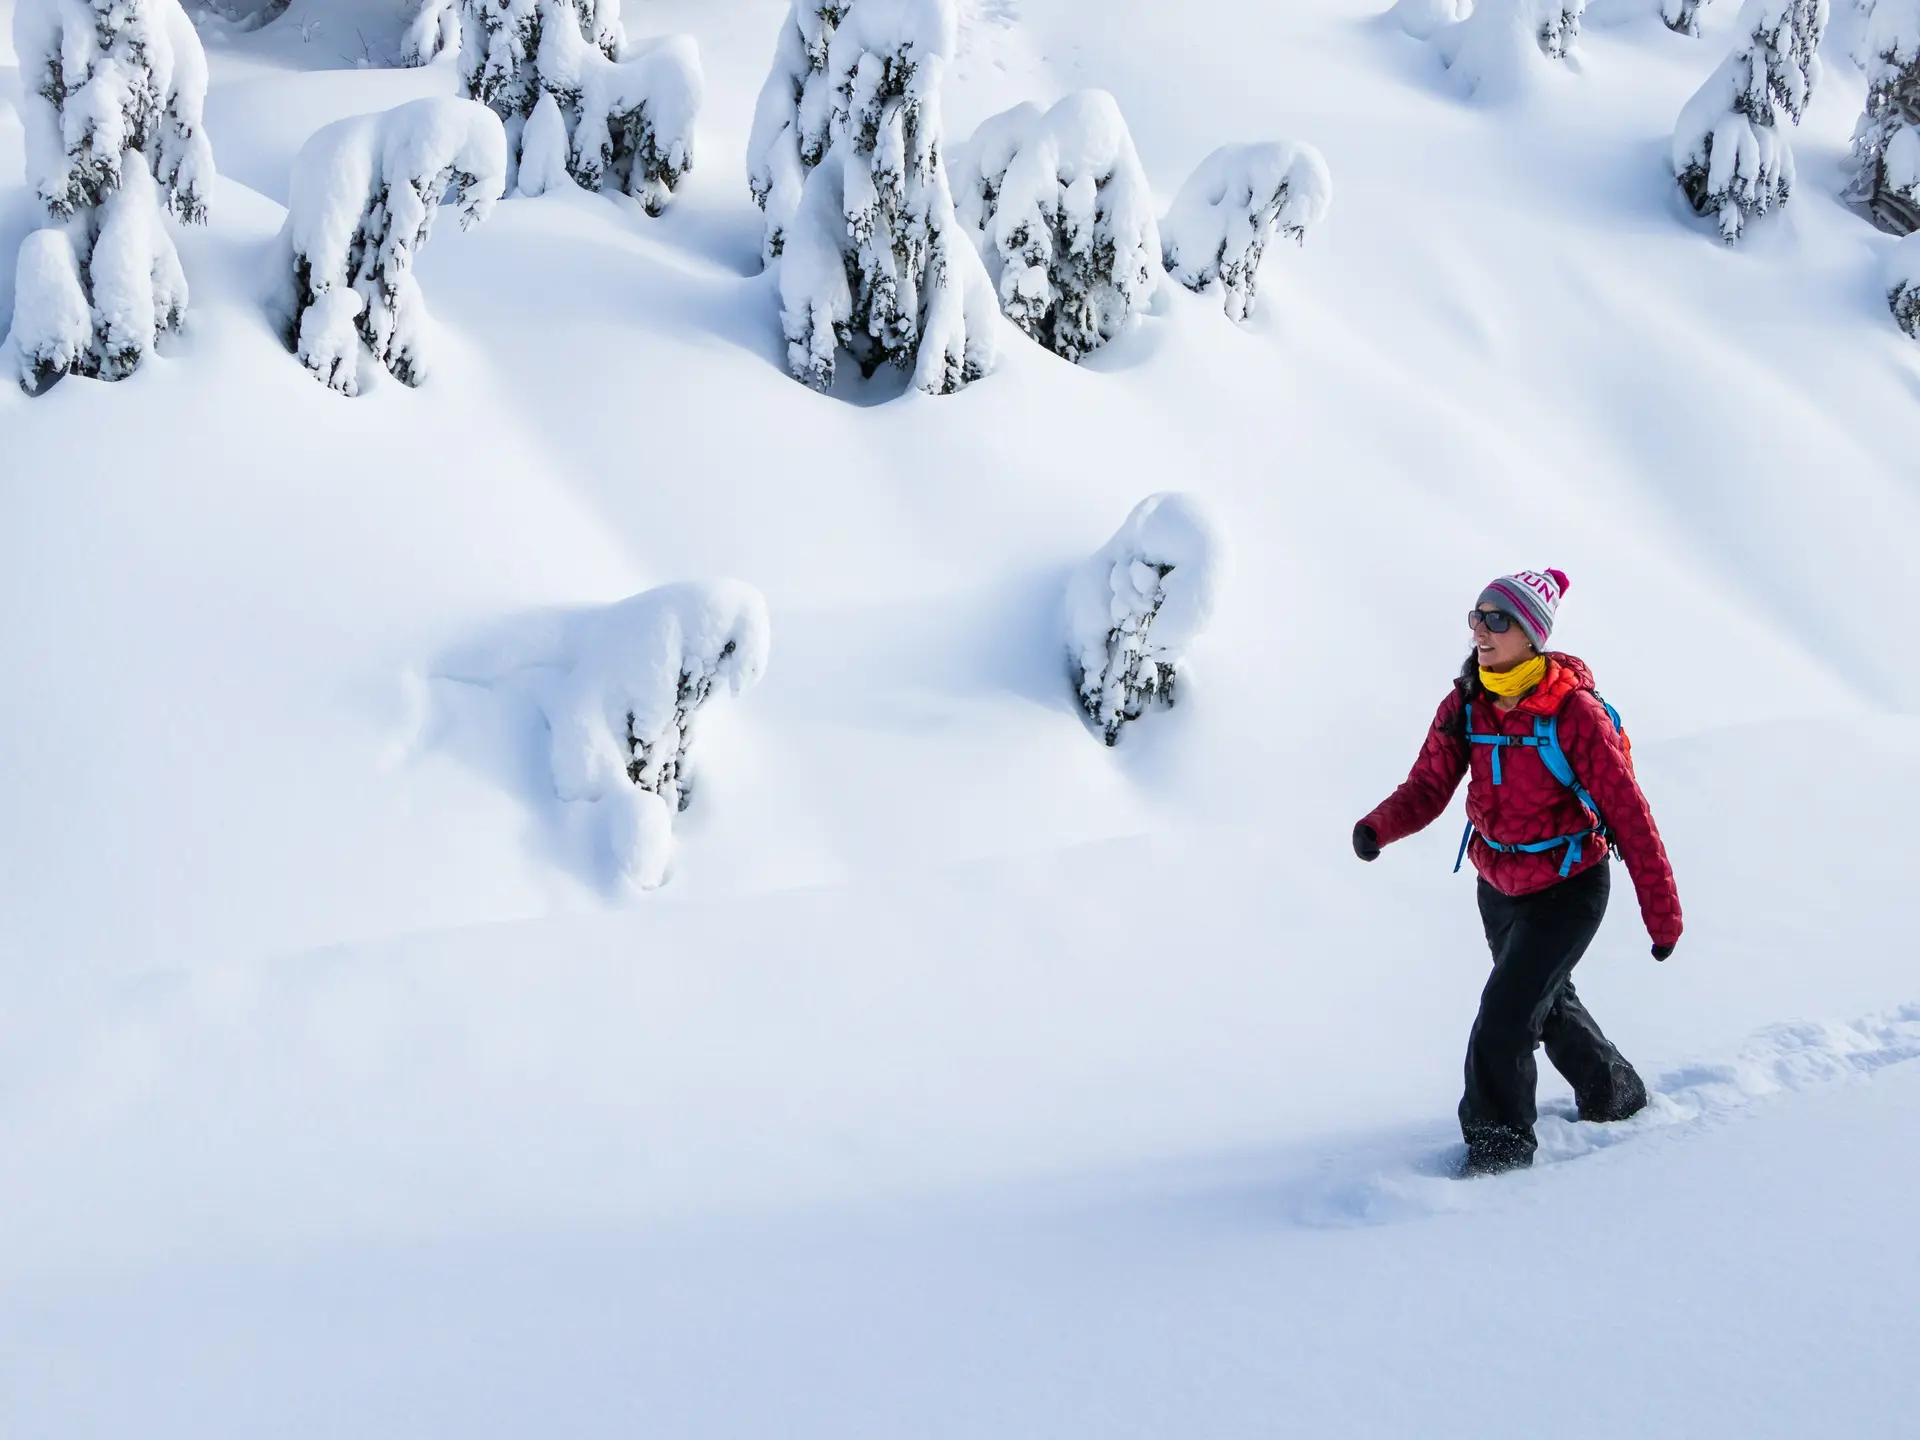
(1231, 207)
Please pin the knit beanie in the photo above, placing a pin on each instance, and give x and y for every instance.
(1531, 597)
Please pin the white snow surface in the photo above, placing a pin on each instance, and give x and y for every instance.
(964, 1077)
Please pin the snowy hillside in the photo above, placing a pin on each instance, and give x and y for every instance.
(964, 1076)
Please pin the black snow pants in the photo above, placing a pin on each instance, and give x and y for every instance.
(1536, 940)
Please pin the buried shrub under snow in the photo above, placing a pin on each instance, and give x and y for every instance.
(115, 143)
(1135, 607)
(1229, 209)
(1064, 216)
(846, 159)
(364, 194)
(620, 691)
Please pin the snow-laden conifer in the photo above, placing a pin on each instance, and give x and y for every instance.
(1886, 146)
(115, 143)
(1065, 218)
(1135, 607)
(1230, 208)
(628, 107)
(1730, 151)
(872, 259)
(364, 195)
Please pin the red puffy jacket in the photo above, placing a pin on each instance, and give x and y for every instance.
(1529, 804)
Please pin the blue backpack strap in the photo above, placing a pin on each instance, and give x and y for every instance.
(1545, 739)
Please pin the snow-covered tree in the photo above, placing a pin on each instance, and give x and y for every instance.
(1066, 220)
(1136, 606)
(628, 107)
(872, 258)
(1730, 154)
(1230, 208)
(1903, 284)
(620, 691)
(115, 143)
(1886, 146)
(364, 194)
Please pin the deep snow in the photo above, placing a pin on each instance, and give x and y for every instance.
(965, 1077)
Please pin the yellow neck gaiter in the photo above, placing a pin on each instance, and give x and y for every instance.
(1517, 681)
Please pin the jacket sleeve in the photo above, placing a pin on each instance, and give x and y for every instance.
(1423, 796)
(1599, 761)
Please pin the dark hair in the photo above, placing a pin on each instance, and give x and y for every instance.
(1469, 679)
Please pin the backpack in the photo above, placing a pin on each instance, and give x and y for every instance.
(1545, 739)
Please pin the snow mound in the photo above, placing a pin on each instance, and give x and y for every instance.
(619, 692)
(1229, 209)
(364, 196)
(1134, 608)
(1495, 50)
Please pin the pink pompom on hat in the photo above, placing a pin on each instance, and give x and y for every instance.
(1531, 597)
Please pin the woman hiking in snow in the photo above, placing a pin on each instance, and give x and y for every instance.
(1540, 843)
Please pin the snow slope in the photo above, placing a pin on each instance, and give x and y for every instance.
(966, 1078)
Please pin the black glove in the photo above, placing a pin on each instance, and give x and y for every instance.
(1660, 952)
(1366, 844)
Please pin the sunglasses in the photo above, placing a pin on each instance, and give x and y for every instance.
(1498, 621)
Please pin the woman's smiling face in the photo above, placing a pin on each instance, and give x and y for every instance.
(1500, 651)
